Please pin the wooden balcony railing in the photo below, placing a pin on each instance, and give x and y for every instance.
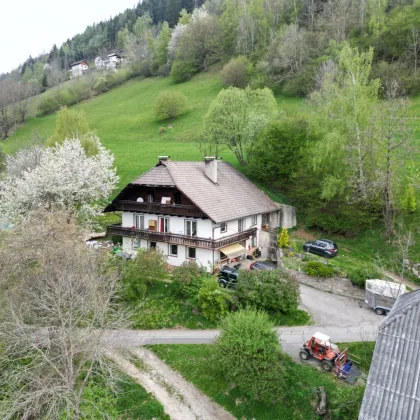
(158, 208)
(173, 238)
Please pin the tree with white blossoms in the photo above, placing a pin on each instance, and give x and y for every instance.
(64, 178)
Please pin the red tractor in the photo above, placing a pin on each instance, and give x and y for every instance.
(320, 347)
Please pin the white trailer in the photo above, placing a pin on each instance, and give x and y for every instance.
(381, 294)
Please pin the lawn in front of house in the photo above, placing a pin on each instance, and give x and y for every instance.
(196, 364)
(163, 309)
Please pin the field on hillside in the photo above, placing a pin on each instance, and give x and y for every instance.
(124, 121)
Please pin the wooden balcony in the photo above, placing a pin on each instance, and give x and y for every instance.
(158, 208)
(173, 238)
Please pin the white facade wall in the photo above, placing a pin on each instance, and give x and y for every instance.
(205, 229)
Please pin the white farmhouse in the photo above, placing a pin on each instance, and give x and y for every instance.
(110, 63)
(203, 211)
(78, 68)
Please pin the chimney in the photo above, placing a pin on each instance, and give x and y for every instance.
(164, 158)
(210, 168)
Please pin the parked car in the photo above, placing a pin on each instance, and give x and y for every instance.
(323, 247)
(262, 265)
(228, 276)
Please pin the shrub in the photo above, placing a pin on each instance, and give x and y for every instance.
(170, 105)
(188, 279)
(248, 354)
(148, 266)
(272, 290)
(213, 300)
(182, 71)
(284, 238)
(236, 72)
(318, 269)
(359, 275)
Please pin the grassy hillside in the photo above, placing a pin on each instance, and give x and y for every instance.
(124, 121)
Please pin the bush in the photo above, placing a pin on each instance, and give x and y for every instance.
(182, 71)
(213, 300)
(359, 275)
(318, 269)
(236, 73)
(170, 105)
(248, 354)
(188, 279)
(272, 290)
(284, 238)
(148, 266)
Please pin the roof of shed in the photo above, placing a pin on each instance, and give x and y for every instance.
(232, 197)
(393, 390)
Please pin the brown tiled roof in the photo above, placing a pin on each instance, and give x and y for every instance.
(392, 390)
(158, 175)
(234, 196)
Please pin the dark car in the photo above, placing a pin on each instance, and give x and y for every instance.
(228, 276)
(262, 265)
(323, 247)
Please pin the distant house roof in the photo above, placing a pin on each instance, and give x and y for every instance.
(78, 62)
(393, 385)
(114, 55)
(232, 197)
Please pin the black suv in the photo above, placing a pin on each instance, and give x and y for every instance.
(323, 247)
(228, 276)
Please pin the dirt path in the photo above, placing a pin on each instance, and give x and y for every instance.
(181, 400)
(398, 279)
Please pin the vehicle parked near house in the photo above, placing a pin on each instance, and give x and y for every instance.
(323, 247)
(381, 295)
(262, 265)
(228, 276)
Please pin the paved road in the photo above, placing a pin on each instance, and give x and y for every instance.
(343, 319)
(328, 309)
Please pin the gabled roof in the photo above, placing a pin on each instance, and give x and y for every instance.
(234, 196)
(393, 385)
(78, 62)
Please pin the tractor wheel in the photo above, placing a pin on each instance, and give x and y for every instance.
(327, 365)
(304, 354)
(379, 311)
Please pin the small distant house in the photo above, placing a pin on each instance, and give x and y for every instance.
(110, 63)
(393, 385)
(78, 68)
(205, 211)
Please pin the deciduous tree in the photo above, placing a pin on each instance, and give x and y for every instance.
(57, 299)
(237, 117)
(65, 178)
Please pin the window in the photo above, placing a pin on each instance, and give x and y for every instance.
(191, 228)
(241, 225)
(253, 241)
(223, 227)
(139, 221)
(191, 253)
(136, 244)
(152, 245)
(177, 197)
(254, 220)
(173, 250)
(164, 224)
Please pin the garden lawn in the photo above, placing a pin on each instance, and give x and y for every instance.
(370, 246)
(163, 309)
(196, 364)
(124, 120)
